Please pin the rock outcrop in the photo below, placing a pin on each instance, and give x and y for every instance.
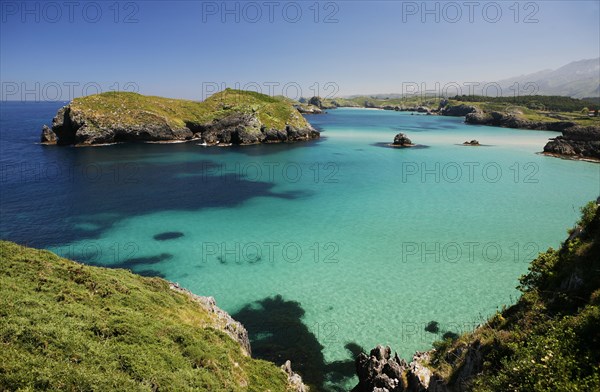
(294, 379)
(238, 333)
(227, 324)
(472, 143)
(322, 103)
(509, 120)
(380, 372)
(580, 142)
(48, 136)
(308, 109)
(401, 140)
(458, 110)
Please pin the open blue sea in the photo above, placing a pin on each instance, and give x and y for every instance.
(321, 248)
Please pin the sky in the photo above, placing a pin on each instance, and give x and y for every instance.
(57, 50)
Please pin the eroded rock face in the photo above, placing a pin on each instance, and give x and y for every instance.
(379, 372)
(73, 128)
(583, 142)
(48, 136)
(458, 110)
(227, 324)
(294, 379)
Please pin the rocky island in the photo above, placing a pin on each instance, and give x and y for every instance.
(401, 140)
(229, 117)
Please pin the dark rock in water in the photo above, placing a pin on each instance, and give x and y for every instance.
(401, 140)
(48, 136)
(423, 109)
(432, 327)
(471, 143)
(168, 235)
(581, 142)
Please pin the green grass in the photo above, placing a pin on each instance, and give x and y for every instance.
(550, 339)
(113, 109)
(66, 326)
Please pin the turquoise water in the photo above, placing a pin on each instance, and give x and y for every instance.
(372, 242)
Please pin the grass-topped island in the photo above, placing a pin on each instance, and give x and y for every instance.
(229, 117)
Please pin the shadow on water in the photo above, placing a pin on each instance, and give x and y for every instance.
(138, 265)
(277, 334)
(72, 194)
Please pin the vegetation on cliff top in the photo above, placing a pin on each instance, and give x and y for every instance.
(532, 107)
(125, 108)
(550, 339)
(66, 326)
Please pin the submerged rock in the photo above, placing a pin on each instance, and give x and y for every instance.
(168, 235)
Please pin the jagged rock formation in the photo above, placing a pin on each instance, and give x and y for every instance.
(380, 372)
(225, 322)
(294, 379)
(582, 142)
(401, 140)
(48, 136)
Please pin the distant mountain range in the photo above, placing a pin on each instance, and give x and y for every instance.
(579, 79)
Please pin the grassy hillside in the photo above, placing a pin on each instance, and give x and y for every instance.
(66, 326)
(125, 108)
(535, 108)
(550, 339)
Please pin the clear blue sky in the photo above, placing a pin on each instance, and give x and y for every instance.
(177, 48)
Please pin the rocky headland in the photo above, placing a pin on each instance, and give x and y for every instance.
(226, 118)
(70, 326)
(576, 142)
